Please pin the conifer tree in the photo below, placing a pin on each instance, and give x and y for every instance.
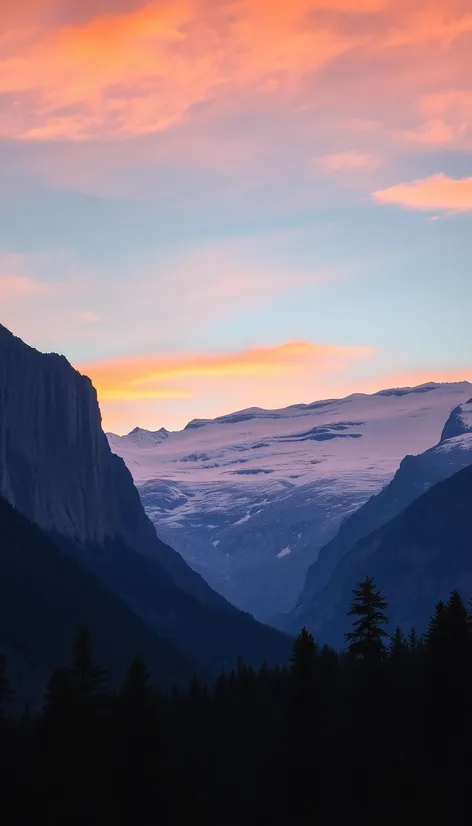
(457, 624)
(303, 665)
(436, 634)
(398, 647)
(90, 678)
(366, 640)
(413, 641)
(137, 692)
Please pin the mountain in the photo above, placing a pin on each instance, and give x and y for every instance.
(416, 559)
(415, 475)
(250, 498)
(138, 437)
(45, 596)
(57, 469)
(459, 422)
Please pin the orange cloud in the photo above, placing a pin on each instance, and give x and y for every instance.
(146, 376)
(163, 57)
(435, 192)
(174, 389)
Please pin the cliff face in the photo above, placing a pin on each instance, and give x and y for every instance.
(50, 421)
(56, 465)
(57, 469)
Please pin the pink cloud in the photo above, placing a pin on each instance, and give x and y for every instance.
(163, 59)
(17, 287)
(88, 317)
(350, 161)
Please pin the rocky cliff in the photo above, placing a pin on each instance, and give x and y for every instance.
(56, 465)
(50, 421)
(56, 468)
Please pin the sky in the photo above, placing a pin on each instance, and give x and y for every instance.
(208, 205)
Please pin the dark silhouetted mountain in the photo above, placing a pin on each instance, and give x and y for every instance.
(415, 475)
(45, 596)
(417, 559)
(56, 467)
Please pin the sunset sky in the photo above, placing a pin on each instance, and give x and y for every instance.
(213, 204)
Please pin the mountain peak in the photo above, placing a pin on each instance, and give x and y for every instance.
(459, 422)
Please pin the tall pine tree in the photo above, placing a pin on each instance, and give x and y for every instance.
(366, 640)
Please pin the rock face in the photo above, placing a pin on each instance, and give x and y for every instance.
(56, 465)
(56, 468)
(416, 559)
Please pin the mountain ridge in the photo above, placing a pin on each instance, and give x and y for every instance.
(250, 501)
(415, 475)
(417, 558)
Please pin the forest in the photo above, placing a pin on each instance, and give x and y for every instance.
(375, 733)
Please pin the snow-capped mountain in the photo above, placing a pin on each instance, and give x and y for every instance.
(250, 498)
(416, 475)
(459, 422)
(138, 438)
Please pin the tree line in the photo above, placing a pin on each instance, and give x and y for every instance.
(378, 732)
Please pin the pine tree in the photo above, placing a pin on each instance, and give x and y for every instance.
(398, 647)
(139, 744)
(457, 624)
(366, 640)
(303, 666)
(413, 641)
(436, 633)
(137, 692)
(90, 678)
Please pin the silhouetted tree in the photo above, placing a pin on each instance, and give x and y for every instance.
(366, 640)
(303, 663)
(89, 677)
(398, 648)
(413, 640)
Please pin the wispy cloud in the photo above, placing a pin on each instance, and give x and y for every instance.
(143, 376)
(216, 382)
(163, 59)
(438, 192)
(86, 317)
(17, 287)
(351, 161)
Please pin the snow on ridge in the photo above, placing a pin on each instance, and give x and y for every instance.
(204, 490)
